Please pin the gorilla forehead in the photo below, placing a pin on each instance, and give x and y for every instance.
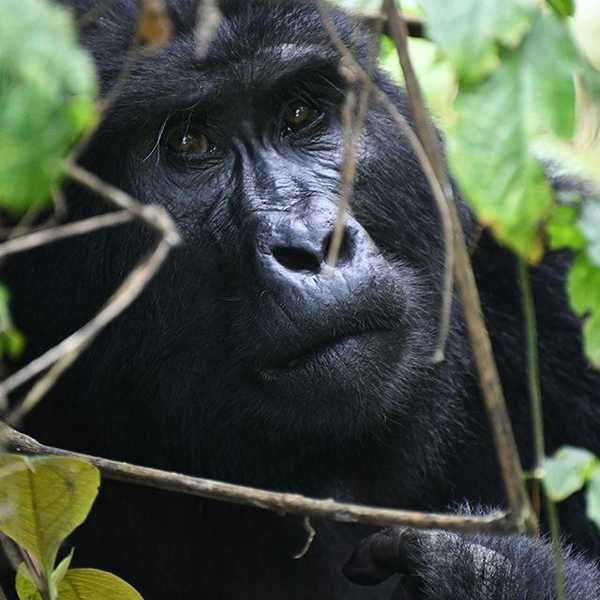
(256, 43)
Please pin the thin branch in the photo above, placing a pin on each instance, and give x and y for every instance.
(61, 356)
(208, 19)
(416, 27)
(311, 534)
(353, 129)
(155, 216)
(126, 293)
(508, 456)
(61, 232)
(280, 502)
(506, 447)
(428, 137)
(537, 420)
(351, 135)
(434, 182)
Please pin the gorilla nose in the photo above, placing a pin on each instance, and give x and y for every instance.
(305, 250)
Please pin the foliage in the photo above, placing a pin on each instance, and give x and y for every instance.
(516, 95)
(43, 500)
(568, 471)
(79, 584)
(11, 339)
(47, 90)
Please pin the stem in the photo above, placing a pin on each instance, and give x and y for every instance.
(533, 373)
(554, 526)
(537, 419)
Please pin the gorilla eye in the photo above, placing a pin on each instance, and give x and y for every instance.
(299, 115)
(188, 142)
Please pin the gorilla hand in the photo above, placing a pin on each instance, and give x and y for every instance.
(438, 565)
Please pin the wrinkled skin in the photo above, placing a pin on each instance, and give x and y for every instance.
(248, 360)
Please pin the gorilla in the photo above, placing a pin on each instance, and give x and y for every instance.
(248, 360)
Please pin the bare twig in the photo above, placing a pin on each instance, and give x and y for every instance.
(61, 232)
(416, 27)
(61, 356)
(434, 182)
(426, 133)
(154, 216)
(282, 503)
(311, 533)
(72, 346)
(537, 421)
(481, 347)
(489, 379)
(352, 128)
(208, 19)
(351, 138)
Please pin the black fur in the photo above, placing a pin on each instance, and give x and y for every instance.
(192, 378)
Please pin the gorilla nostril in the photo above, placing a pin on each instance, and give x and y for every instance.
(297, 259)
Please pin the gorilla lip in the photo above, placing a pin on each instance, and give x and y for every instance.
(319, 348)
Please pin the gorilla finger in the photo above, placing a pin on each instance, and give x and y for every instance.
(382, 555)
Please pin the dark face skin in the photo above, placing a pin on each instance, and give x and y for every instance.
(252, 180)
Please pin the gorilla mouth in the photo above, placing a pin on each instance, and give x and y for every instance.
(326, 349)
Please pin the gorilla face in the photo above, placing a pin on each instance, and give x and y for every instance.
(247, 337)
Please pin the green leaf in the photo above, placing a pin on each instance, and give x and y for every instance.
(5, 320)
(563, 8)
(583, 288)
(49, 497)
(531, 94)
(47, 90)
(489, 154)
(593, 497)
(591, 339)
(583, 285)
(567, 471)
(80, 584)
(562, 229)
(470, 31)
(435, 74)
(13, 343)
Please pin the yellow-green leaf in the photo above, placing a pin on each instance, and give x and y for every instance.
(48, 497)
(80, 584)
(59, 573)
(26, 589)
(563, 8)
